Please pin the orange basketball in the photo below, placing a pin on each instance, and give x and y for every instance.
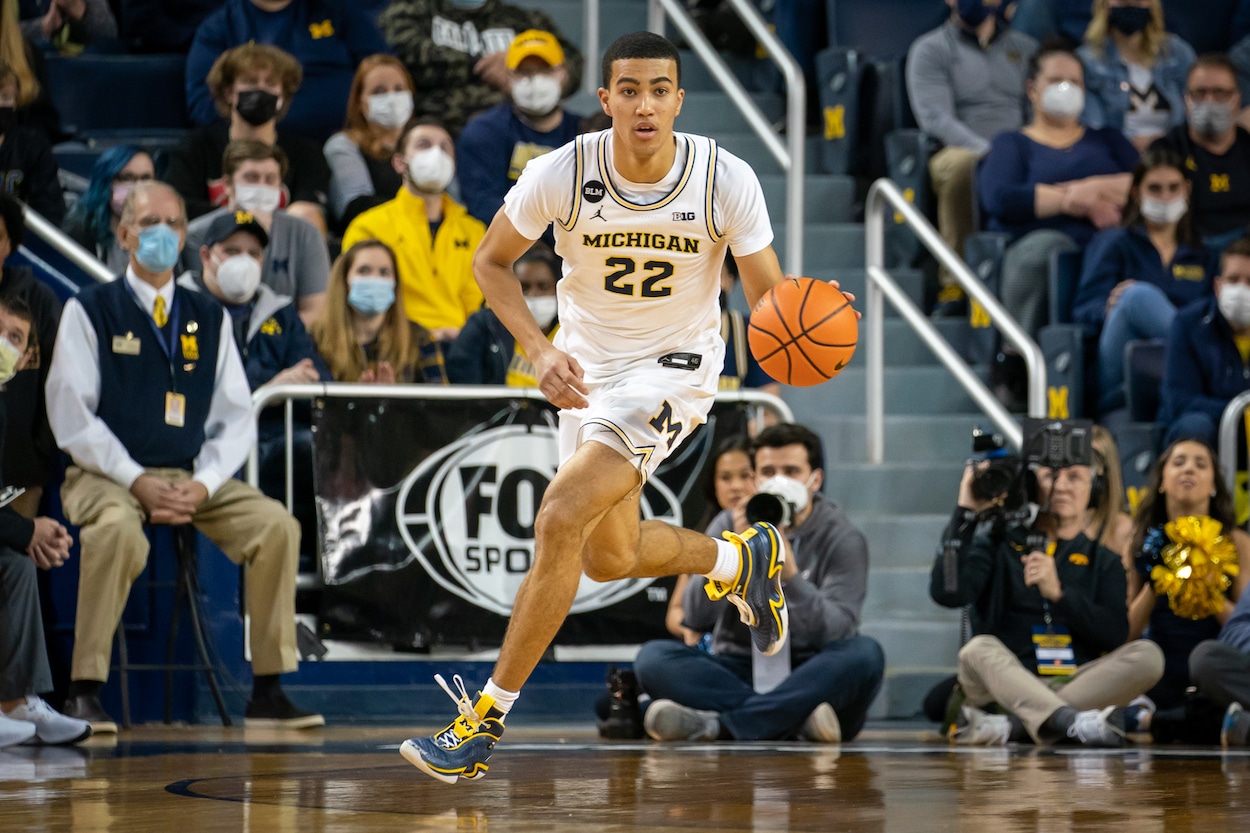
(803, 332)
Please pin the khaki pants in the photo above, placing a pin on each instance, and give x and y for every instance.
(951, 170)
(250, 528)
(990, 673)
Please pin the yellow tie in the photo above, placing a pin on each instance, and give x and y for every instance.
(158, 312)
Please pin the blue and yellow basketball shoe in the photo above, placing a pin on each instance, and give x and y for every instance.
(463, 748)
(756, 592)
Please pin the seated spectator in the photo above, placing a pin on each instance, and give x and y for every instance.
(1135, 278)
(1185, 482)
(92, 220)
(30, 453)
(1216, 152)
(161, 26)
(465, 73)
(1052, 184)
(149, 447)
(1046, 20)
(1208, 353)
(433, 235)
(485, 353)
(378, 107)
(68, 25)
(26, 544)
(1111, 524)
(965, 82)
(1134, 71)
(34, 104)
(1049, 624)
(296, 262)
(252, 86)
(836, 670)
(27, 167)
(363, 334)
(1220, 668)
(497, 144)
(327, 37)
(275, 348)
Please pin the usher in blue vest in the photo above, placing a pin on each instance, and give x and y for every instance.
(133, 384)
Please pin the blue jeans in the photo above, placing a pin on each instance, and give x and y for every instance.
(1143, 311)
(846, 674)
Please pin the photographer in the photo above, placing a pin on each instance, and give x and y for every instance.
(1048, 605)
(836, 672)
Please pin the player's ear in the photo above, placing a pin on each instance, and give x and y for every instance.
(603, 102)
(681, 96)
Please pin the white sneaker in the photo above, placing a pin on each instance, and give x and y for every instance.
(51, 727)
(13, 732)
(977, 728)
(821, 726)
(1098, 727)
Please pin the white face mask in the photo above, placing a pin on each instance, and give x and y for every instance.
(536, 95)
(389, 109)
(1234, 303)
(1163, 211)
(1063, 100)
(9, 357)
(432, 170)
(264, 198)
(788, 489)
(543, 308)
(238, 277)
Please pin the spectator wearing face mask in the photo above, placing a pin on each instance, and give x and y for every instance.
(378, 107)
(364, 335)
(296, 264)
(328, 38)
(1216, 152)
(433, 235)
(485, 353)
(455, 50)
(252, 86)
(1137, 276)
(27, 167)
(1208, 353)
(93, 219)
(1134, 70)
(497, 144)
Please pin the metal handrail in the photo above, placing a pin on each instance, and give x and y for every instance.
(67, 246)
(1228, 437)
(884, 193)
(590, 47)
(790, 154)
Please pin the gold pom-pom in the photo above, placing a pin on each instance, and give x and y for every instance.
(1198, 567)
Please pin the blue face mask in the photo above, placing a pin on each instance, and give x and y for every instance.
(371, 296)
(158, 248)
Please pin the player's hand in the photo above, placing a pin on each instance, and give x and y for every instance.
(560, 379)
(850, 296)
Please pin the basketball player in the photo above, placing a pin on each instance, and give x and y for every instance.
(643, 218)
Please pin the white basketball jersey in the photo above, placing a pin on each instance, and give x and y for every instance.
(640, 281)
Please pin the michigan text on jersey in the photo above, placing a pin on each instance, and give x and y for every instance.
(641, 240)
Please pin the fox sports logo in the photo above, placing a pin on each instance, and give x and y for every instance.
(467, 514)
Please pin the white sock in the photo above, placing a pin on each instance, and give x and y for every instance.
(728, 560)
(503, 699)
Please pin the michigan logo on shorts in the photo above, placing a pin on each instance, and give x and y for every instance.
(467, 515)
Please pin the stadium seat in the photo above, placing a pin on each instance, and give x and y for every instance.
(97, 93)
(882, 29)
(839, 73)
(1137, 443)
(1065, 273)
(1206, 26)
(907, 164)
(983, 253)
(1063, 346)
(1143, 374)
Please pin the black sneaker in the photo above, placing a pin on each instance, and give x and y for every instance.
(87, 707)
(277, 712)
(624, 721)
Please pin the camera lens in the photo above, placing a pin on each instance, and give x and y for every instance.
(768, 508)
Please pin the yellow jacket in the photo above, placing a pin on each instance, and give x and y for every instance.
(436, 278)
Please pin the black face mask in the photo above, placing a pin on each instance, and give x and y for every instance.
(8, 117)
(1129, 19)
(257, 106)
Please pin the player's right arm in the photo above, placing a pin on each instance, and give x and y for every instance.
(559, 375)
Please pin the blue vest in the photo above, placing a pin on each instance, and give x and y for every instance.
(134, 383)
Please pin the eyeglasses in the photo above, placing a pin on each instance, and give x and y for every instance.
(1216, 94)
(176, 223)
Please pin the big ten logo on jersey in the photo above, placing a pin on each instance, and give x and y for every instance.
(467, 514)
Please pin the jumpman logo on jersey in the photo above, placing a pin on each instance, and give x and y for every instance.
(598, 215)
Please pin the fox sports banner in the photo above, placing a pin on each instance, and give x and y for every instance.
(426, 508)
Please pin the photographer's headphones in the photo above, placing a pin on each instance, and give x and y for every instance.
(1097, 479)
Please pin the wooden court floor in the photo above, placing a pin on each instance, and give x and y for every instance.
(552, 780)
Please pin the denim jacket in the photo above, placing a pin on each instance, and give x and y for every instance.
(1107, 88)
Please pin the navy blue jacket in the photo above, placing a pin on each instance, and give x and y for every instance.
(328, 37)
(1124, 254)
(1204, 369)
(482, 351)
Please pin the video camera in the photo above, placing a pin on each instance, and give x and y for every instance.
(1047, 443)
